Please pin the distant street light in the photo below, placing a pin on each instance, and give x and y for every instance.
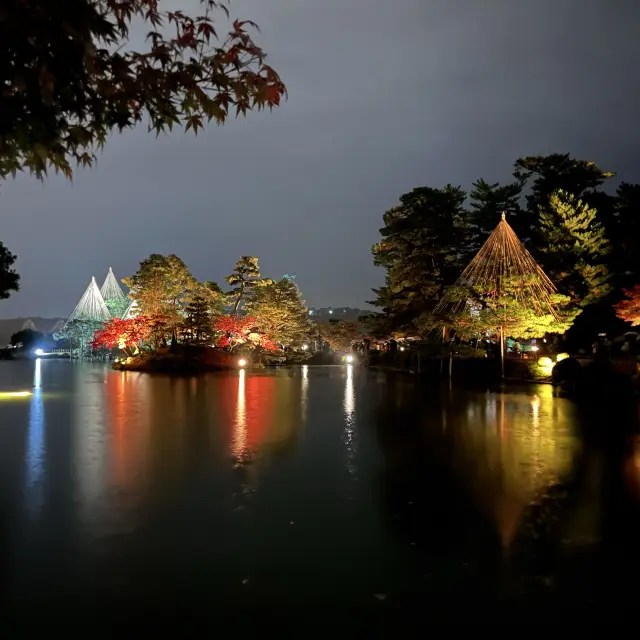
(242, 362)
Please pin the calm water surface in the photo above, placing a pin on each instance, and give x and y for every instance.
(332, 488)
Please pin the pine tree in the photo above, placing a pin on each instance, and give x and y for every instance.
(244, 279)
(544, 175)
(162, 286)
(574, 247)
(280, 313)
(9, 279)
(487, 203)
(197, 319)
(624, 233)
(422, 250)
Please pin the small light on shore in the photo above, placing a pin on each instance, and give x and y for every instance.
(534, 348)
(349, 358)
(242, 362)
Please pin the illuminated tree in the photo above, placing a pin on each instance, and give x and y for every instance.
(196, 325)
(78, 333)
(340, 334)
(70, 76)
(629, 308)
(244, 279)
(127, 335)
(162, 286)
(9, 279)
(544, 175)
(421, 251)
(504, 288)
(574, 246)
(280, 313)
(235, 331)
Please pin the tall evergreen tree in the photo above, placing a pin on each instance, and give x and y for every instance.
(487, 202)
(544, 175)
(196, 325)
(422, 249)
(624, 232)
(574, 248)
(244, 279)
(162, 286)
(280, 313)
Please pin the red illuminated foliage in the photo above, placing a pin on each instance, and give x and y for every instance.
(126, 334)
(629, 308)
(234, 331)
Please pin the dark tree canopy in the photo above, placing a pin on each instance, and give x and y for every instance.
(421, 248)
(9, 279)
(70, 77)
(487, 202)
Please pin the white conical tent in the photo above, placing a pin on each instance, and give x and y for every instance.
(91, 306)
(110, 289)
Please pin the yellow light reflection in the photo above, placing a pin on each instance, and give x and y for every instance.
(239, 443)
(8, 395)
(304, 395)
(349, 437)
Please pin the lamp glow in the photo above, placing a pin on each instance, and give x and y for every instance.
(39, 352)
(349, 358)
(534, 348)
(242, 362)
(305, 347)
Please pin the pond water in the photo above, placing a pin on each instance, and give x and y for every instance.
(336, 492)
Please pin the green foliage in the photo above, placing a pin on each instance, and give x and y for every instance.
(117, 308)
(244, 279)
(9, 279)
(624, 233)
(196, 326)
(518, 317)
(340, 334)
(280, 313)
(421, 251)
(78, 334)
(162, 286)
(544, 175)
(70, 76)
(487, 203)
(574, 246)
(27, 338)
(214, 296)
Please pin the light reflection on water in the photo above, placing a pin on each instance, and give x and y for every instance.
(36, 444)
(163, 468)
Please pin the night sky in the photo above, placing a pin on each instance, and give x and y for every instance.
(383, 97)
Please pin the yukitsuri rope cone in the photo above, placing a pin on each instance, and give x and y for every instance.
(110, 290)
(503, 259)
(91, 306)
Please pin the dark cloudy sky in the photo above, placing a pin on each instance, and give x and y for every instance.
(384, 97)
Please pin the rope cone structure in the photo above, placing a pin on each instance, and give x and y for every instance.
(503, 258)
(91, 306)
(110, 289)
